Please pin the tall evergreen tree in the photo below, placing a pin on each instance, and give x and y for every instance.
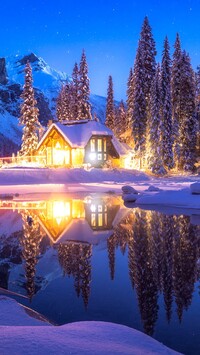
(84, 90)
(188, 124)
(149, 52)
(29, 115)
(154, 142)
(144, 70)
(129, 101)
(75, 93)
(139, 105)
(197, 104)
(110, 108)
(67, 99)
(175, 90)
(59, 104)
(121, 124)
(166, 107)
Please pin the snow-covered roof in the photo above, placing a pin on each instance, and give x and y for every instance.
(121, 148)
(78, 133)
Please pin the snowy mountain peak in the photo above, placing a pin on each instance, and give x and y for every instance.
(31, 58)
(46, 82)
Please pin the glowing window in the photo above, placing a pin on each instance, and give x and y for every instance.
(105, 219)
(100, 220)
(92, 145)
(99, 156)
(104, 145)
(99, 144)
(93, 208)
(100, 208)
(104, 157)
(93, 220)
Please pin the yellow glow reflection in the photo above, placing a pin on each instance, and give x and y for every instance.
(61, 209)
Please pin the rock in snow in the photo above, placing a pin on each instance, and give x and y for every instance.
(195, 188)
(129, 194)
(73, 338)
(127, 189)
(152, 188)
(129, 197)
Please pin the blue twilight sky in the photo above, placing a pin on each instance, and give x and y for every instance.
(108, 30)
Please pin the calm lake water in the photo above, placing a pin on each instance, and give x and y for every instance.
(91, 258)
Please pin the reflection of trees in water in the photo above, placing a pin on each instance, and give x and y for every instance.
(185, 263)
(111, 246)
(75, 260)
(30, 242)
(143, 273)
(162, 255)
(167, 229)
(122, 233)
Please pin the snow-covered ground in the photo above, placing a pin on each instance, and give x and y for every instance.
(167, 191)
(20, 334)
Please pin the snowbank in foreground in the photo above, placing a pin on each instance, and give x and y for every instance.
(75, 338)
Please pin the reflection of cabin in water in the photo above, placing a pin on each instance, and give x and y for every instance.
(100, 213)
(79, 220)
(65, 219)
(74, 143)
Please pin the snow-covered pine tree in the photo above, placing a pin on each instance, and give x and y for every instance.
(149, 52)
(139, 106)
(63, 107)
(197, 104)
(66, 104)
(154, 148)
(175, 90)
(110, 108)
(144, 71)
(166, 108)
(84, 90)
(29, 115)
(59, 104)
(188, 123)
(75, 93)
(129, 101)
(121, 124)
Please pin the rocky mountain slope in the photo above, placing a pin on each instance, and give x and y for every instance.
(47, 82)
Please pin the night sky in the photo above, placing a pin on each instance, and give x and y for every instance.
(107, 30)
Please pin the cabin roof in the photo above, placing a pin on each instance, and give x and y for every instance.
(78, 133)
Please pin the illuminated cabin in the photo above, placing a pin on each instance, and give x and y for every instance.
(75, 143)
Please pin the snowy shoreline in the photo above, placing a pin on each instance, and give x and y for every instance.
(171, 191)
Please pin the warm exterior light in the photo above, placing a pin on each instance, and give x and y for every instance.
(92, 156)
(58, 156)
(93, 208)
